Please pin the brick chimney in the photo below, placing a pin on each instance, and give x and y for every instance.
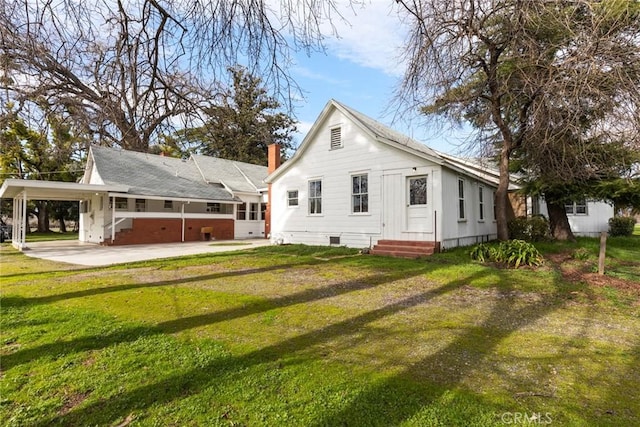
(273, 156)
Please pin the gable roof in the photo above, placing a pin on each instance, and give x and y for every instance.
(153, 175)
(483, 171)
(237, 176)
(373, 128)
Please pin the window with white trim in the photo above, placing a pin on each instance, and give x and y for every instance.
(576, 208)
(480, 203)
(336, 138)
(360, 193)
(263, 211)
(220, 208)
(461, 202)
(241, 213)
(122, 204)
(168, 204)
(418, 191)
(495, 208)
(315, 197)
(253, 211)
(292, 198)
(141, 205)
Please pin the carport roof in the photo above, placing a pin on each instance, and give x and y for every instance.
(55, 190)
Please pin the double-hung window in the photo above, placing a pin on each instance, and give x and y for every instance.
(480, 203)
(241, 213)
(315, 197)
(292, 198)
(462, 215)
(253, 211)
(360, 193)
(576, 208)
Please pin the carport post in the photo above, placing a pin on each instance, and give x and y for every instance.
(25, 222)
(182, 217)
(113, 219)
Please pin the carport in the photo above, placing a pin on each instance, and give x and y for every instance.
(23, 190)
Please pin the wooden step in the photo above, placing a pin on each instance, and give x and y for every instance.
(404, 248)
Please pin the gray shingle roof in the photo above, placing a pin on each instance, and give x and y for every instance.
(238, 176)
(153, 175)
(385, 132)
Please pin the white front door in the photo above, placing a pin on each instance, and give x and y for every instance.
(418, 205)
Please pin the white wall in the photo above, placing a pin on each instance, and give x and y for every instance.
(472, 229)
(247, 228)
(335, 169)
(592, 224)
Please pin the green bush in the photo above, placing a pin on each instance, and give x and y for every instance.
(533, 229)
(621, 225)
(512, 253)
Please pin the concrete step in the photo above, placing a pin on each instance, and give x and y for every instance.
(398, 253)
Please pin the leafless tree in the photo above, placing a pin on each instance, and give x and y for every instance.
(526, 74)
(127, 71)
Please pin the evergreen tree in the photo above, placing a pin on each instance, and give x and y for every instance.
(243, 122)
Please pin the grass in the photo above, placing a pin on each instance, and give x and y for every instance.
(312, 336)
(51, 235)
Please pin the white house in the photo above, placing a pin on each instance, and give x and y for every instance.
(170, 199)
(586, 217)
(355, 182)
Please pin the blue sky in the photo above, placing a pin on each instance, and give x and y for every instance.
(361, 68)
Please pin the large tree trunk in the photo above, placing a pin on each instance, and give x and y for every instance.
(43, 216)
(502, 197)
(558, 222)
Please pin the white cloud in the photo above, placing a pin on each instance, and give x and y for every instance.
(372, 36)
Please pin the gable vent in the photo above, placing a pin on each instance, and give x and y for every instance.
(336, 138)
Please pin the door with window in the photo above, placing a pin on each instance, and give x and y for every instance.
(418, 207)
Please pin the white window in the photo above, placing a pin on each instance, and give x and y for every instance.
(221, 208)
(495, 209)
(263, 211)
(141, 205)
(418, 191)
(315, 197)
(360, 193)
(535, 205)
(336, 138)
(461, 203)
(253, 211)
(576, 208)
(168, 204)
(242, 212)
(122, 204)
(292, 198)
(480, 203)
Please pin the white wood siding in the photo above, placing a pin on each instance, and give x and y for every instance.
(247, 229)
(359, 155)
(592, 224)
(471, 230)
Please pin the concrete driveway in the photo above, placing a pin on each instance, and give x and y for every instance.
(89, 254)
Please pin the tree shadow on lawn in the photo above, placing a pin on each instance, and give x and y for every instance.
(97, 342)
(385, 403)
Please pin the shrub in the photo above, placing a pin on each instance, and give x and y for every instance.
(534, 229)
(621, 225)
(512, 253)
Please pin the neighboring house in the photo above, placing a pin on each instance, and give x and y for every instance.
(586, 217)
(171, 200)
(356, 182)
(128, 197)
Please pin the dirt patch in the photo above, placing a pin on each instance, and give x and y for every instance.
(577, 271)
(71, 401)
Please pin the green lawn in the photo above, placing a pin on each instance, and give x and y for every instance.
(52, 235)
(308, 336)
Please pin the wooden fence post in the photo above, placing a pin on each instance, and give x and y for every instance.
(603, 250)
